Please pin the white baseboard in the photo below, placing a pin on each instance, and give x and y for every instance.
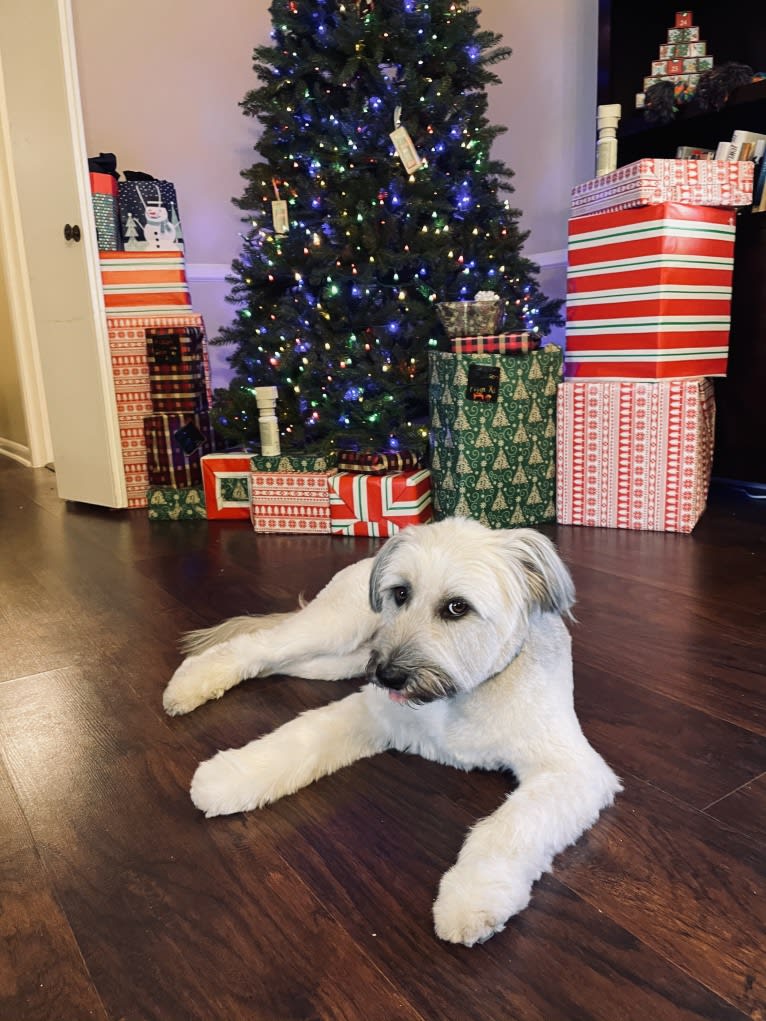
(16, 451)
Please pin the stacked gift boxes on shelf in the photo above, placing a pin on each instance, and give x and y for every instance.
(158, 347)
(682, 58)
(649, 280)
(348, 493)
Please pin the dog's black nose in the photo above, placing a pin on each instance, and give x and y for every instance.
(391, 676)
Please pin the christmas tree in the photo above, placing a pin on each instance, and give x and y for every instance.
(352, 241)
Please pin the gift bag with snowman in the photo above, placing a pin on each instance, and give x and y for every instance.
(149, 216)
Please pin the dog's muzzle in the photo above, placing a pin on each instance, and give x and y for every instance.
(408, 684)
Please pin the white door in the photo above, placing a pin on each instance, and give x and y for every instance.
(46, 152)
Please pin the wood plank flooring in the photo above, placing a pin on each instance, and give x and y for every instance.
(120, 902)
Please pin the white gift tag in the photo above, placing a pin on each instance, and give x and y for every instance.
(406, 150)
(280, 216)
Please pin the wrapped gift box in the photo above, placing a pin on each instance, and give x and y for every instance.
(144, 283)
(175, 443)
(103, 189)
(290, 501)
(634, 455)
(649, 293)
(130, 374)
(293, 462)
(176, 369)
(149, 216)
(226, 480)
(377, 463)
(168, 504)
(379, 505)
(493, 436)
(501, 344)
(649, 182)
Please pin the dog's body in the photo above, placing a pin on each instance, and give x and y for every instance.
(459, 630)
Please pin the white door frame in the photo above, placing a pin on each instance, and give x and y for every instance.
(36, 355)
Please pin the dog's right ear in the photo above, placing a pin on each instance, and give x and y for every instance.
(379, 565)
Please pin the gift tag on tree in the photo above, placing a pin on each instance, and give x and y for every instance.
(483, 383)
(405, 147)
(280, 216)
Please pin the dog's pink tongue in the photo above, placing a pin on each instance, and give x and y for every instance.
(396, 696)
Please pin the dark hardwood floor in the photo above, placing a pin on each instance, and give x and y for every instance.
(119, 901)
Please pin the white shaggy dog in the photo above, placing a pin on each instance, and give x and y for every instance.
(459, 631)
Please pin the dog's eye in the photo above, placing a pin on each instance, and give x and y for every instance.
(455, 608)
(400, 594)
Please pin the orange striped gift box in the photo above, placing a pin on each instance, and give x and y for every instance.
(649, 293)
(379, 505)
(634, 455)
(144, 282)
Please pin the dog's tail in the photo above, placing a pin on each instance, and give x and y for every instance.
(194, 642)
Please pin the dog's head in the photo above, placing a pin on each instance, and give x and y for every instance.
(455, 600)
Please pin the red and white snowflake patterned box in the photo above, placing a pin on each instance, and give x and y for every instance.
(132, 391)
(293, 502)
(379, 505)
(634, 455)
(651, 182)
(649, 293)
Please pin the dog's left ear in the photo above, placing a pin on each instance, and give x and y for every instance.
(549, 583)
(379, 564)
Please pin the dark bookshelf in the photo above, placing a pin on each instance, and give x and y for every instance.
(629, 38)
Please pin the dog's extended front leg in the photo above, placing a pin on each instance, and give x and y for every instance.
(312, 745)
(326, 639)
(508, 851)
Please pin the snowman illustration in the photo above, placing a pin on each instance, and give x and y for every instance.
(160, 234)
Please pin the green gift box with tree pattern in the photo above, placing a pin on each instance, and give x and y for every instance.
(493, 436)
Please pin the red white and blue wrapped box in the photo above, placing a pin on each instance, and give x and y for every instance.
(379, 505)
(502, 344)
(292, 502)
(377, 463)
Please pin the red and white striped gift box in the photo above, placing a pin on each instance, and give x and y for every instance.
(379, 505)
(290, 501)
(144, 282)
(634, 455)
(649, 182)
(649, 293)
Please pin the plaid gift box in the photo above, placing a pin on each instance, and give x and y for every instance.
(176, 369)
(174, 446)
(650, 182)
(502, 344)
(291, 501)
(634, 455)
(493, 436)
(293, 462)
(226, 480)
(103, 189)
(379, 505)
(649, 293)
(168, 504)
(376, 463)
(144, 282)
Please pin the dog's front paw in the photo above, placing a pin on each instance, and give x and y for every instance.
(473, 904)
(199, 679)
